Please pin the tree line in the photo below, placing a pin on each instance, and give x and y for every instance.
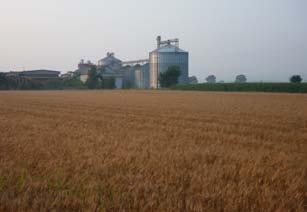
(243, 79)
(170, 77)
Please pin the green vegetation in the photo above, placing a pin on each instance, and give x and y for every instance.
(211, 79)
(96, 81)
(169, 77)
(107, 83)
(296, 79)
(241, 79)
(20, 83)
(7, 83)
(245, 87)
(93, 79)
(64, 84)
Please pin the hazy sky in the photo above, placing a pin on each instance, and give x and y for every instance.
(264, 39)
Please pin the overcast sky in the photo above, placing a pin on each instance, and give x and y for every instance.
(264, 39)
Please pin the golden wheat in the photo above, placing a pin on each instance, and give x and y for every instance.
(152, 151)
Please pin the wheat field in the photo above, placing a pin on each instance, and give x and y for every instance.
(152, 151)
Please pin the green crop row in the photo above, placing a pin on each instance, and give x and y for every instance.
(245, 87)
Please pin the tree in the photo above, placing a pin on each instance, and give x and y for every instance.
(169, 77)
(241, 78)
(193, 80)
(92, 81)
(108, 83)
(211, 79)
(73, 83)
(296, 79)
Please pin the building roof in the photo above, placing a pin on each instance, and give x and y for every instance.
(40, 74)
(33, 72)
(110, 59)
(169, 48)
(40, 71)
(108, 71)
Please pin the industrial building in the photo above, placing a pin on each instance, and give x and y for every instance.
(144, 73)
(83, 69)
(110, 67)
(129, 74)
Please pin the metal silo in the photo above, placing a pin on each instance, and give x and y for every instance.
(168, 54)
(138, 76)
(142, 76)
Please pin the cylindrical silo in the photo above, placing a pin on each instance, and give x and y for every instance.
(164, 57)
(138, 76)
(142, 76)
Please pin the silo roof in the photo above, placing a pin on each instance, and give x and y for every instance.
(169, 48)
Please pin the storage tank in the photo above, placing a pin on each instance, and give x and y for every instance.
(168, 54)
(142, 76)
(138, 76)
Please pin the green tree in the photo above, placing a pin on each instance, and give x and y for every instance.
(108, 83)
(211, 79)
(296, 79)
(241, 78)
(169, 77)
(92, 81)
(73, 83)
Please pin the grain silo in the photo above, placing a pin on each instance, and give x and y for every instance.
(142, 76)
(168, 54)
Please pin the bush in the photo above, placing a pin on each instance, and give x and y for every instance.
(73, 84)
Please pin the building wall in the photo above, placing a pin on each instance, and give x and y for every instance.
(118, 82)
(40, 74)
(83, 78)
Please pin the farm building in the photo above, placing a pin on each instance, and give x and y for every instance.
(110, 68)
(123, 73)
(37, 75)
(142, 73)
(83, 69)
